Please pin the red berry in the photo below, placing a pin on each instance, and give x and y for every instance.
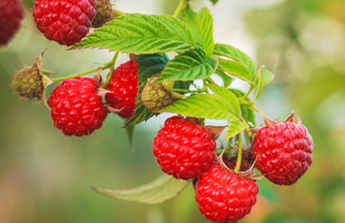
(283, 152)
(124, 87)
(64, 21)
(223, 196)
(183, 149)
(11, 15)
(75, 107)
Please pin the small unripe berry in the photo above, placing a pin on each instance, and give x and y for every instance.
(157, 95)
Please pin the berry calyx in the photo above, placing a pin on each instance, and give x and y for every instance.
(223, 196)
(157, 95)
(183, 149)
(123, 89)
(11, 15)
(283, 151)
(75, 107)
(64, 21)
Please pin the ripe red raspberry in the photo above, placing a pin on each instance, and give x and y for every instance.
(11, 15)
(223, 196)
(64, 21)
(183, 149)
(75, 107)
(124, 85)
(283, 152)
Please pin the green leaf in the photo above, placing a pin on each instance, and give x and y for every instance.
(204, 24)
(150, 65)
(201, 24)
(141, 34)
(184, 85)
(158, 191)
(236, 55)
(236, 69)
(228, 98)
(141, 113)
(235, 126)
(222, 105)
(247, 114)
(190, 65)
(267, 75)
(227, 80)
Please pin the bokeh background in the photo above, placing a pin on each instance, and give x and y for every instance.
(47, 177)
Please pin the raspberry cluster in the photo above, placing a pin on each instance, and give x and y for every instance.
(282, 152)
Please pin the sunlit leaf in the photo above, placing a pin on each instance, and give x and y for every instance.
(141, 34)
(190, 65)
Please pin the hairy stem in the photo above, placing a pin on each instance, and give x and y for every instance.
(112, 65)
(80, 74)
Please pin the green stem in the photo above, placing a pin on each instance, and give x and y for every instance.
(239, 154)
(246, 95)
(210, 81)
(80, 74)
(112, 65)
(256, 109)
(179, 8)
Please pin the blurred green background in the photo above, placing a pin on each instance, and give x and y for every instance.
(47, 177)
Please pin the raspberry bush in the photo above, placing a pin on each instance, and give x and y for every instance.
(187, 85)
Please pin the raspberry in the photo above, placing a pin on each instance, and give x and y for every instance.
(11, 15)
(124, 87)
(76, 108)
(64, 21)
(283, 152)
(223, 196)
(183, 149)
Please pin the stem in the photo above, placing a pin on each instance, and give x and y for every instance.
(179, 8)
(112, 64)
(239, 154)
(257, 110)
(248, 92)
(80, 74)
(210, 81)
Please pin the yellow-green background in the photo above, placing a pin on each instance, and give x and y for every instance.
(46, 176)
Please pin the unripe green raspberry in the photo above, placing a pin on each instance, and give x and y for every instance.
(157, 95)
(29, 81)
(104, 13)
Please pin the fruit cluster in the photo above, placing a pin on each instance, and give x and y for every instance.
(146, 85)
(282, 152)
